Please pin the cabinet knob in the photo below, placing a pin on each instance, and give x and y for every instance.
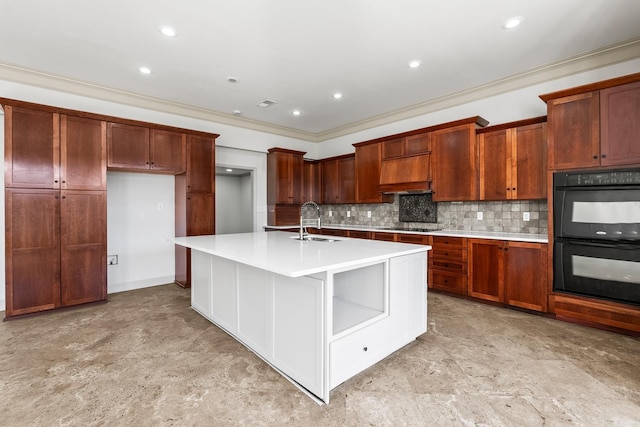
(365, 349)
(595, 157)
(446, 253)
(446, 280)
(508, 189)
(513, 188)
(55, 181)
(604, 156)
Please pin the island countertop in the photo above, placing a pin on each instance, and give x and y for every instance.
(280, 253)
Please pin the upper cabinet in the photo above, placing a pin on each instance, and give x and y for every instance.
(284, 176)
(595, 125)
(201, 163)
(339, 180)
(311, 181)
(368, 164)
(138, 148)
(454, 160)
(512, 161)
(56, 151)
(406, 146)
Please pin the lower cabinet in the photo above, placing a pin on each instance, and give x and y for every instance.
(56, 249)
(448, 264)
(514, 273)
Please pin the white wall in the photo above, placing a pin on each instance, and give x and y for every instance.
(234, 204)
(140, 220)
(2, 253)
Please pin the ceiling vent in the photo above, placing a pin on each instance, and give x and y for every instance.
(266, 103)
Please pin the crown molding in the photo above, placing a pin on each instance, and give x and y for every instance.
(590, 60)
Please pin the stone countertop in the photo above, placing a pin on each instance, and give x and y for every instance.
(282, 254)
(517, 237)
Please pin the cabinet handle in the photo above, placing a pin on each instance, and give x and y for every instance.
(604, 156)
(365, 349)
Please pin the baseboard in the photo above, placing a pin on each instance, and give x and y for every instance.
(113, 288)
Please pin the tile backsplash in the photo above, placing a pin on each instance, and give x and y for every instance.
(497, 216)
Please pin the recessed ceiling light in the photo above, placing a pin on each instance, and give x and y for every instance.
(168, 31)
(296, 112)
(337, 95)
(144, 70)
(512, 22)
(229, 170)
(415, 64)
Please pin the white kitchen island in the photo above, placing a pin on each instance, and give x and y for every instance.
(317, 311)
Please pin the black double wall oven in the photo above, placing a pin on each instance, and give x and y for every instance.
(597, 234)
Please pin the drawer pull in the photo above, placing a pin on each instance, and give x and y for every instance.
(365, 349)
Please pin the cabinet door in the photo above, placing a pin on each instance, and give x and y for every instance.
(127, 146)
(83, 246)
(296, 178)
(168, 151)
(368, 160)
(201, 164)
(393, 148)
(200, 214)
(574, 131)
(620, 127)
(311, 182)
(494, 165)
(83, 153)
(526, 275)
(32, 250)
(417, 144)
(330, 182)
(347, 180)
(454, 173)
(32, 154)
(486, 271)
(529, 162)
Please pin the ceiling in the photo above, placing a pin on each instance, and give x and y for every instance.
(299, 53)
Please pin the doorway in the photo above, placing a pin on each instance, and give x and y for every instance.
(234, 200)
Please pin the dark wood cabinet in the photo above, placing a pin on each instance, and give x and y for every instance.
(195, 200)
(83, 147)
(454, 161)
(138, 148)
(284, 176)
(595, 125)
(448, 264)
(311, 181)
(339, 180)
(509, 272)
(620, 125)
(406, 146)
(512, 161)
(367, 165)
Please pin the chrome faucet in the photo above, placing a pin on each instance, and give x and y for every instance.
(303, 224)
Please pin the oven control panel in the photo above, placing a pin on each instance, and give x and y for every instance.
(610, 177)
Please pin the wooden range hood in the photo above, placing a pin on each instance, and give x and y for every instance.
(410, 173)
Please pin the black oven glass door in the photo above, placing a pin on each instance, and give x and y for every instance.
(598, 270)
(602, 214)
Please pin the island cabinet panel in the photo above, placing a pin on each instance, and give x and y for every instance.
(254, 300)
(514, 273)
(408, 319)
(620, 125)
(368, 166)
(204, 287)
(513, 162)
(454, 164)
(223, 306)
(448, 264)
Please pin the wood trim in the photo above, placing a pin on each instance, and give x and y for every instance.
(340, 157)
(477, 120)
(592, 87)
(518, 123)
(285, 150)
(95, 116)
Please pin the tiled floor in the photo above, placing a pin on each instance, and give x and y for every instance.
(146, 358)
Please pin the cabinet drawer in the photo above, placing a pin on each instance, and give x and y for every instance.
(447, 281)
(453, 266)
(357, 351)
(417, 239)
(449, 253)
(449, 242)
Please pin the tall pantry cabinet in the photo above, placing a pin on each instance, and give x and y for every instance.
(55, 225)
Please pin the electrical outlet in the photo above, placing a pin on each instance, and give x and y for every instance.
(112, 259)
(526, 216)
(160, 206)
(368, 214)
(480, 216)
(330, 213)
(348, 214)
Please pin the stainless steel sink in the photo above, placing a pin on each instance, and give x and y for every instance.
(316, 239)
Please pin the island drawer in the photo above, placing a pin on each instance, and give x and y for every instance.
(357, 351)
